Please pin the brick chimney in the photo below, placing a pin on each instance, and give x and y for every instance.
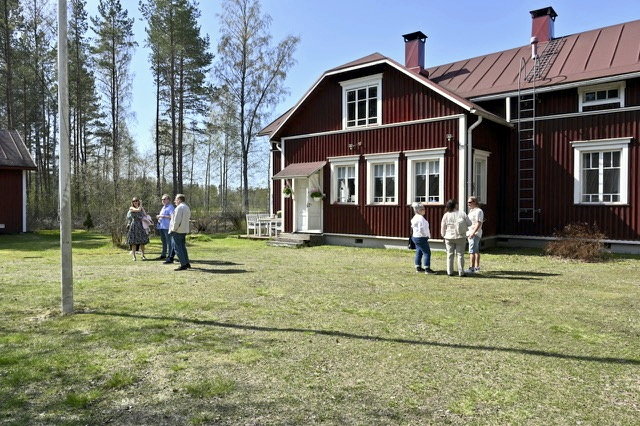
(542, 23)
(414, 52)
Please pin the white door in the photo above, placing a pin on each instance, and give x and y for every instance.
(308, 211)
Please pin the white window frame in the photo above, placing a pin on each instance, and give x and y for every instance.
(425, 155)
(481, 191)
(601, 145)
(335, 162)
(356, 83)
(381, 159)
(620, 85)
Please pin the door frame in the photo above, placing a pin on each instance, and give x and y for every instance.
(296, 201)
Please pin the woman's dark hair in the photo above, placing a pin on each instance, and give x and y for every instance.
(135, 199)
(451, 205)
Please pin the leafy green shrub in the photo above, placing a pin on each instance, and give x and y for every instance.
(578, 241)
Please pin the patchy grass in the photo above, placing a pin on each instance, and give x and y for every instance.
(258, 334)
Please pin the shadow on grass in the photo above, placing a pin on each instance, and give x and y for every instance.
(214, 262)
(46, 240)
(332, 333)
(219, 271)
(513, 275)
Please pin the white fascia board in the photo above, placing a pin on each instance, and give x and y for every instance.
(553, 88)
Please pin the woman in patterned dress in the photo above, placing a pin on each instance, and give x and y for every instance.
(136, 236)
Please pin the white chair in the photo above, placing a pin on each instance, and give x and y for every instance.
(252, 223)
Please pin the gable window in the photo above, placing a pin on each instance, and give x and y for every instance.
(382, 182)
(601, 171)
(344, 179)
(604, 96)
(425, 176)
(362, 103)
(480, 160)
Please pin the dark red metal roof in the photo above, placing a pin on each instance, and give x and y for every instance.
(602, 52)
(13, 152)
(299, 170)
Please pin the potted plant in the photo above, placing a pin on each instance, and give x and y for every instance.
(316, 195)
(286, 191)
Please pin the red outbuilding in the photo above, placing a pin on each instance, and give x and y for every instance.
(15, 162)
(544, 135)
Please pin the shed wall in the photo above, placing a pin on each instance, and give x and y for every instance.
(11, 190)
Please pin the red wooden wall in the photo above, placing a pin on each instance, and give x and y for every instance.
(554, 171)
(11, 190)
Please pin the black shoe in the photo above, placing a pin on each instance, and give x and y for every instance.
(429, 271)
(188, 265)
(168, 261)
(182, 268)
(419, 269)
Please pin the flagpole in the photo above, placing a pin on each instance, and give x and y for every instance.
(65, 164)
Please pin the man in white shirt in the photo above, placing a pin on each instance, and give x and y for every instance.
(476, 215)
(179, 228)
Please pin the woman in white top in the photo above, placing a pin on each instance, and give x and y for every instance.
(453, 227)
(476, 216)
(420, 235)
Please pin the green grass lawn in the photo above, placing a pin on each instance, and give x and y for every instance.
(265, 335)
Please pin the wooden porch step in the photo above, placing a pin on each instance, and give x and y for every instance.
(297, 240)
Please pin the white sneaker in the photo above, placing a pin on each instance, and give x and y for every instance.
(476, 269)
(470, 271)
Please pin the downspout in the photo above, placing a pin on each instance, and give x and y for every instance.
(469, 165)
(277, 147)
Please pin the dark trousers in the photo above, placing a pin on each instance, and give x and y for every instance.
(180, 247)
(167, 246)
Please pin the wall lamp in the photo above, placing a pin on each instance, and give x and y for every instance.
(353, 145)
(449, 137)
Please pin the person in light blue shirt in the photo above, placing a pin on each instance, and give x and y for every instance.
(163, 227)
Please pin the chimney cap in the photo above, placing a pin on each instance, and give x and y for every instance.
(418, 35)
(544, 11)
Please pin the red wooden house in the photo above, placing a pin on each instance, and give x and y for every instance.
(544, 134)
(15, 161)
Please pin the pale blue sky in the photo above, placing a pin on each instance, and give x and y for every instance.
(334, 32)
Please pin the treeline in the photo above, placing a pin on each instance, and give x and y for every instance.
(209, 102)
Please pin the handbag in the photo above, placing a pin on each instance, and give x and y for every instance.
(411, 245)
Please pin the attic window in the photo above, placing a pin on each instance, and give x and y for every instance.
(362, 101)
(604, 96)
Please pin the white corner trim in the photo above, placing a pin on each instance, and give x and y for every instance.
(462, 150)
